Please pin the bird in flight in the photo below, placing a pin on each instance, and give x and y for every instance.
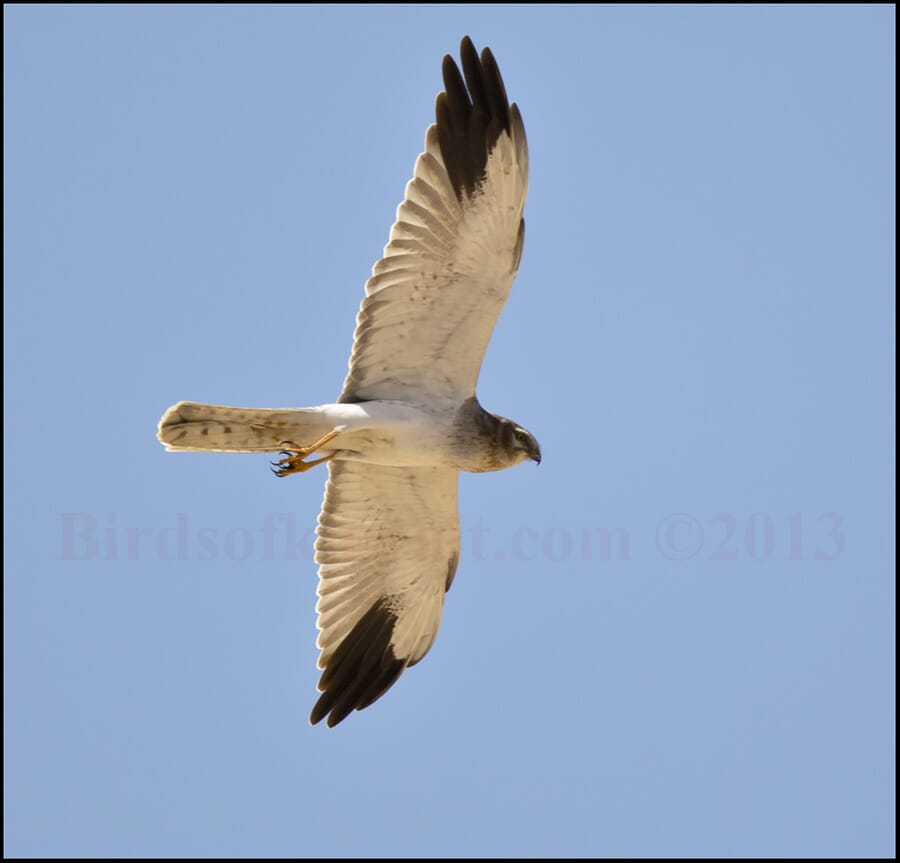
(407, 420)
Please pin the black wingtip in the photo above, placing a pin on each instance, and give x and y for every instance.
(471, 113)
(362, 668)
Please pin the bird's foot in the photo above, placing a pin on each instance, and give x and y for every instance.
(293, 461)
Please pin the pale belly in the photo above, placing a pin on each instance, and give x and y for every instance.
(387, 433)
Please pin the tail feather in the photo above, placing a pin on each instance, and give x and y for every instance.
(197, 427)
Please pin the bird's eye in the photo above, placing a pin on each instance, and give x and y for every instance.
(521, 437)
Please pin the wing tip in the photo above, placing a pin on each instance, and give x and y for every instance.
(471, 113)
(361, 669)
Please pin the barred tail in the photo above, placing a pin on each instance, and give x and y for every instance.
(197, 427)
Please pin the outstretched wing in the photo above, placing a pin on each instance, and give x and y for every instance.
(387, 549)
(433, 299)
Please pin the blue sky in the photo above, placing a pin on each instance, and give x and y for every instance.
(674, 637)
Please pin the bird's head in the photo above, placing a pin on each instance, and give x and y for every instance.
(518, 443)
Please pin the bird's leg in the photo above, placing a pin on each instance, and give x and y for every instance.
(294, 455)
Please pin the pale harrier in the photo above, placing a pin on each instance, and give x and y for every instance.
(407, 420)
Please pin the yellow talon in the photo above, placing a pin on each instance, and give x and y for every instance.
(293, 458)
